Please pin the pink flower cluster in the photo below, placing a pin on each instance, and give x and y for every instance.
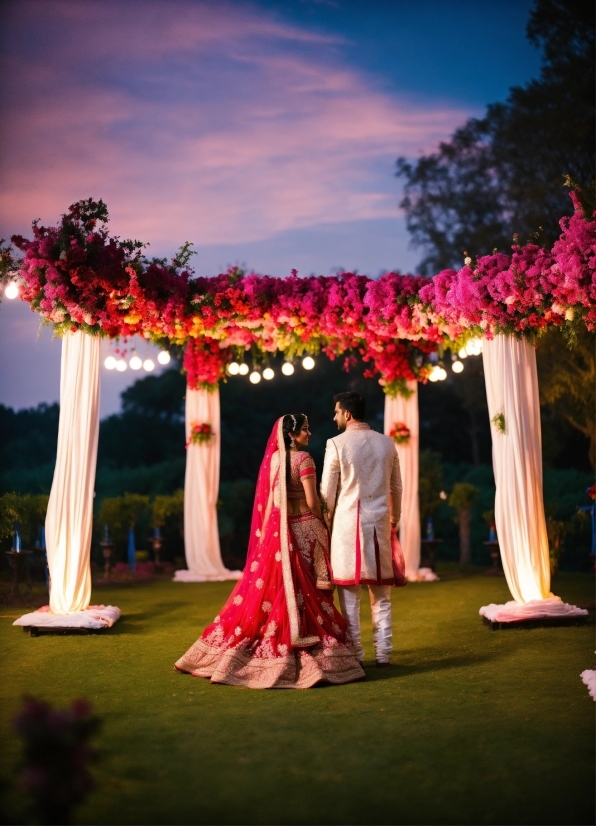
(77, 277)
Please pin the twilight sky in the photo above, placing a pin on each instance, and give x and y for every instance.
(264, 132)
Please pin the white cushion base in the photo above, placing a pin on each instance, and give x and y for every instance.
(96, 616)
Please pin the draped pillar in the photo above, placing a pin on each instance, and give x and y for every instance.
(201, 485)
(400, 409)
(514, 410)
(69, 519)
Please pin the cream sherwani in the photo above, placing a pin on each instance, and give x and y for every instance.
(361, 489)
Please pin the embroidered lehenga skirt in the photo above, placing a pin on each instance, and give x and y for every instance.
(249, 642)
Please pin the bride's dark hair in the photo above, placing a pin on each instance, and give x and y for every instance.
(292, 423)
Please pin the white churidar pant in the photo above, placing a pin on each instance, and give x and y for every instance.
(380, 605)
(404, 410)
(69, 519)
(512, 390)
(201, 485)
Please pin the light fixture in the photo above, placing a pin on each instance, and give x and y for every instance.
(268, 373)
(121, 365)
(462, 353)
(287, 368)
(233, 368)
(434, 374)
(442, 373)
(255, 377)
(135, 363)
(474, 347)
(164, 357)
(12, 290)
(243, 369)
(149, 365)
(110, 363)
(457, 367)
(308, 362)
(443, 495)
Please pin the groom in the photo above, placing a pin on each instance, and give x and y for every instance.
(361, 489)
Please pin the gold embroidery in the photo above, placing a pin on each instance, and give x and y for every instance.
(217, 618)
(278, 556)
(237, 630)
(237, 600)
(319, 619)
(254, 565)
(259, 584)
(266, 606)
(271, 629)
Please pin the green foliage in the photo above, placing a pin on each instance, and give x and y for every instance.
(120, 513)
(462, 497)
(29, 511)
(430, 483)
(164, 506)
(499, 422)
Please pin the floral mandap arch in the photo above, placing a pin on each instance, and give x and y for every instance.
(91, 285)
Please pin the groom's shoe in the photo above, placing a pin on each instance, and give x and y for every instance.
(382, 663)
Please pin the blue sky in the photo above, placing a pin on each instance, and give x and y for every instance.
(264, 132)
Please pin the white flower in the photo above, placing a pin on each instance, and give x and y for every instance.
(237, 600)
(569, 314)
(558, 309)
(467, 261)
(259, 583)
(510, 300)
(254, 566)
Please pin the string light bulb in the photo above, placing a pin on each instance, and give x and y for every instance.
(164, 357)
(110, 363)
(287, 368)
(149, 365)
(12, 290)
(268, 373)
(457, 367)
(308, 362)
(243, 369)
(121, 365)
(462, 353)
(233, 368)
(255, 377)
(135, 363)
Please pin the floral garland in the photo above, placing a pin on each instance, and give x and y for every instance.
(200, 434)
(400, 433)
(78, 278)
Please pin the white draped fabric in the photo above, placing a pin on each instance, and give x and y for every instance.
(512, 392)
(69, 519)
(405, 410)
(201, 485)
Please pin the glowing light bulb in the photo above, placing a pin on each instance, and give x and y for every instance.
(149, 365)
(110, 363)
(135, 363)
(164, 357)
(462, 353)
(434, 376)
(121, 365)
(255, 377)
(268, 373)
(457, 367)
(12, 290)
(442, 374)
(287, 368)
(233, 368)
(308, 362)
(243, 369)
(474, 347)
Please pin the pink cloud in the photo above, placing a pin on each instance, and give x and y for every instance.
(210, 122)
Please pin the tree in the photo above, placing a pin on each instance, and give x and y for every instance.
(461, 499)
(430, 483)
(567, 382)
(504, 173)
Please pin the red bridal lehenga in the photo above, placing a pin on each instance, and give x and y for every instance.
(279, 627)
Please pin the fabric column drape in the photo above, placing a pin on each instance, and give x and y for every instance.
(201, 485)
(400, 409)
(512, 392)
(69, 519)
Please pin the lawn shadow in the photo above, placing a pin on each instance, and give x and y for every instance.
(427, 664)
(127, 624)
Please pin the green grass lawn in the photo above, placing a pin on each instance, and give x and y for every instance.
(469, 726)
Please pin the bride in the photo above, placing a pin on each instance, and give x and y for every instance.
(279, 627)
